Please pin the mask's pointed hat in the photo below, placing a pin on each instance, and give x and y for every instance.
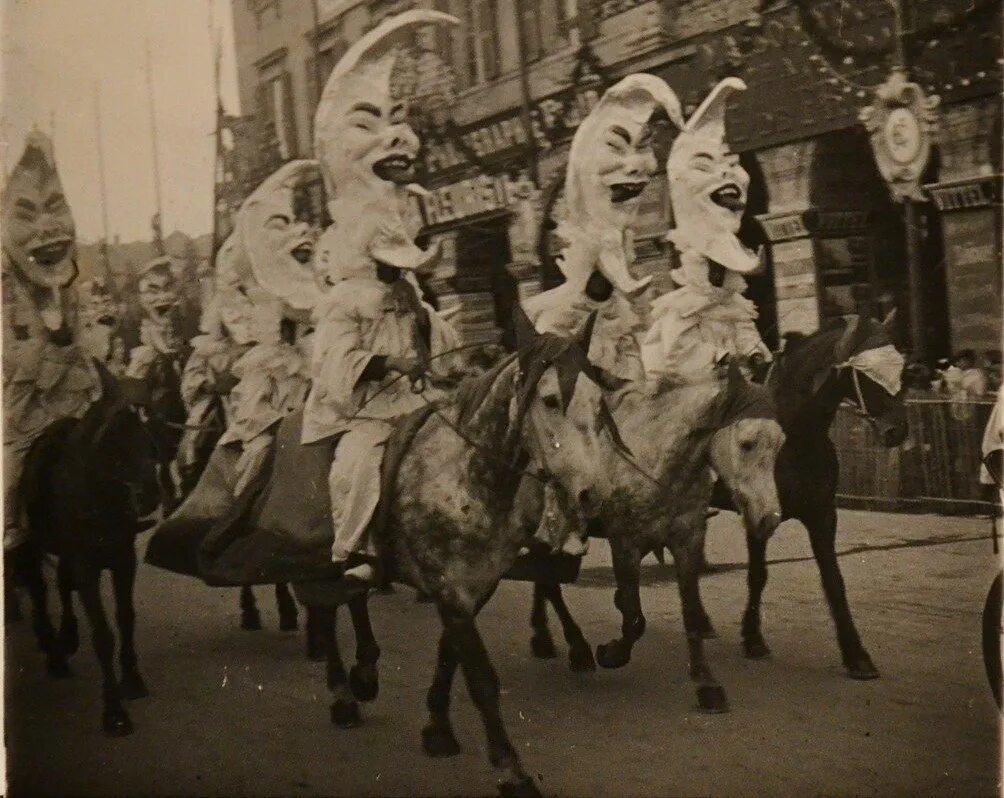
(370, 59)
(636, 96)
(709, 118)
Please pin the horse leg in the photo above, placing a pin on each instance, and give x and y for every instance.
(822, 536)
(114, 719)
(287, 608)
(580, 655)
(710, 694)
(11, 606)
(69, 631)
(316, 638)
(123, 581)
(344, 709)
(754, 646)
(363, 677)
(29, 565)
(627, 599)
(541, 643)
(438, 739)
(483, 687)
(250, 618)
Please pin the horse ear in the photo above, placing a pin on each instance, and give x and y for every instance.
(889, 323)
(586, 336)
(843, 348)
(526, 333)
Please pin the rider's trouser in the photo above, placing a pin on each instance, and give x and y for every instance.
(14, 454)
(354, 485)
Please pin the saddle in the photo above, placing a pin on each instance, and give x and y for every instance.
(279, 529)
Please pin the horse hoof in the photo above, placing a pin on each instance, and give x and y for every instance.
(863, 669)
(317, 651)
(345, 714)
(116, 723)
(58, 668)
(287, 623)
(711, 698)
(543, 647)
(132, 687)
(364, 681)
(580, 659)
(613, 654)
(524, 788)
(251, 622)
(438, 742)
(68, 640)
(755, 648)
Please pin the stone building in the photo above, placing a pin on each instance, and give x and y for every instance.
(495, 155)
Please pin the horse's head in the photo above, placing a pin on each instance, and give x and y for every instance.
(869, 377)
(744, 447)
(123, 453)
(559, 401)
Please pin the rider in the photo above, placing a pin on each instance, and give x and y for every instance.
(706, 319)
(609, 165)
(159, 298)
(99, 326)
(372, 328)
(46, 374)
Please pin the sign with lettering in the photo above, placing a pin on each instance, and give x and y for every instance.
(470, 197)
(795, 287)
(783, 226)
(959, 194)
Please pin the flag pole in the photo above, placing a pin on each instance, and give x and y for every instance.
(158, 243)
(103, 194)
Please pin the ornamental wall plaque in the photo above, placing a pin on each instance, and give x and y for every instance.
(901, 122)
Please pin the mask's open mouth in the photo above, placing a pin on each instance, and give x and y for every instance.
(622, 192)
(729, 196)
(397, 169)
(51, 253)
(163, 309)
(107, 319)
(302, 253)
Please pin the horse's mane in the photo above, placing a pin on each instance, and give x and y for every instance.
(473, 391)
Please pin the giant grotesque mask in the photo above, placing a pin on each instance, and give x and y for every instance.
(708, 187)
(280, 249)
(609, 165)
(367, 150)
(158, 291)
(38, 235)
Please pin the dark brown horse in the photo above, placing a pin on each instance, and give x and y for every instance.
(87, 485)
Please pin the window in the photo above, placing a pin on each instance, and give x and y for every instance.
(274, 114)
(264, 11)
(482, 41)
(444, 34)
(529, 20)
(329, 56)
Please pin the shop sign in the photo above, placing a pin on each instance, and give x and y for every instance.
(476, 195)
(958, 195)
(783, 226)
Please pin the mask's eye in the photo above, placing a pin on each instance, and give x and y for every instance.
(551, 402)
(702, 161)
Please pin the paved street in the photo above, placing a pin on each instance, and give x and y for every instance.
(238, 713)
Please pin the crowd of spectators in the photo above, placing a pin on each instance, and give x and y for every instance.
(969, 376)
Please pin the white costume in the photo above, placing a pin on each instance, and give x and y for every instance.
(99, 326)
(159, 297)
(366, 151)
(696, 325)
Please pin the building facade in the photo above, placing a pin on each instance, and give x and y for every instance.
(526, 71)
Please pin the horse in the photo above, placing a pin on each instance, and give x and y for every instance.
(809, 380)
(87, 484)
(462, 497)
(660, 498)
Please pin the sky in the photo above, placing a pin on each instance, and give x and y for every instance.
(54, 55)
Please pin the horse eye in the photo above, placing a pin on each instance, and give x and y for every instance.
(746, 446)
(551, 402)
